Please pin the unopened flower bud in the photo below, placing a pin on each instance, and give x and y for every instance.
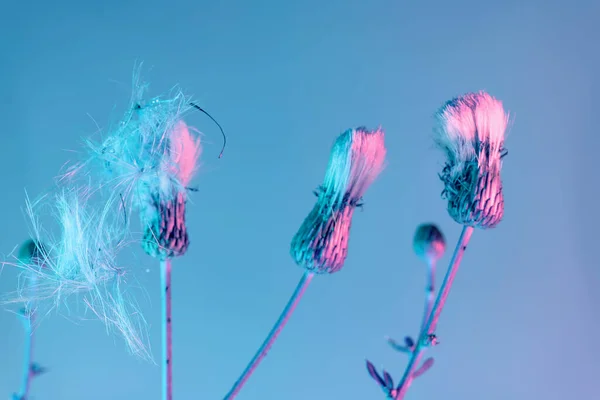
(429, 243)
(31, 252)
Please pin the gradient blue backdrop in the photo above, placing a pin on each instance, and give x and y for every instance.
(284, 78)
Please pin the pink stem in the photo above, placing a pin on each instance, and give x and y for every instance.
(272, 336)
(167, 339)
(429, 329)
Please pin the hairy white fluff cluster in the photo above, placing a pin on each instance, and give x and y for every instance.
(79, 257)
(152, 151)
(143, 165)
(149, 157)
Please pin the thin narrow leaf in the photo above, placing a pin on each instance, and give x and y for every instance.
(37, 369)
(398, 347)
(389, 382)
(423, 368)
(374, 374)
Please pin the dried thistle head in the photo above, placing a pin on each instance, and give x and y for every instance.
(79, 257)
(357, 158)
(470, 130)
(148, 162)
(163, 216)
(429, 243)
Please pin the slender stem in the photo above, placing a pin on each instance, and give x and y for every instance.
(167, 339)
(27, 355)
(429, 295)
(28, 318)
(459, 251)
(272, 336)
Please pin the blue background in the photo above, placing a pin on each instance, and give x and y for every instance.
(285, 78)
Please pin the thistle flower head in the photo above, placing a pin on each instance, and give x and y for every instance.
(429, 243)
(80, 260)
(357, 158)
(163, 216)
(149, 161)
(470, 130)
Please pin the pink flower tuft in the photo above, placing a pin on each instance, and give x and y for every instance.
(185, 149)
